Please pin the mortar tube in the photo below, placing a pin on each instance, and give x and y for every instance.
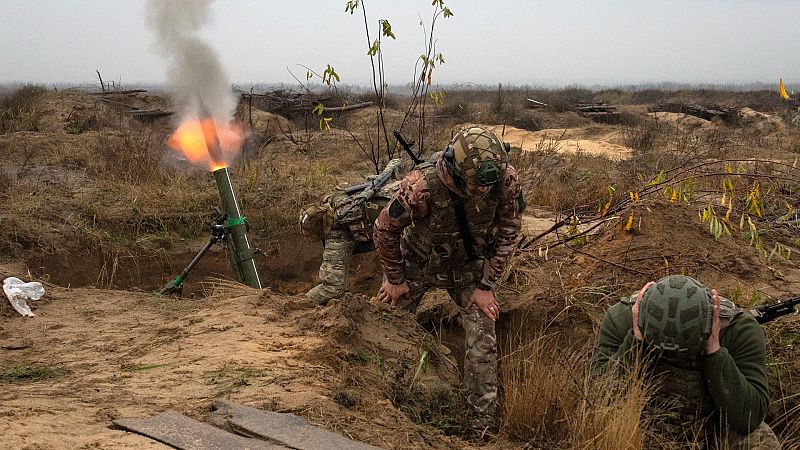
(240, 251)
(211, 137)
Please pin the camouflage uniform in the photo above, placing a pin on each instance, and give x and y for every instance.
(418, 240)
(720, 397)
(350, 234)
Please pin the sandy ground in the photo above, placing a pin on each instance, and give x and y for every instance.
(118, 354)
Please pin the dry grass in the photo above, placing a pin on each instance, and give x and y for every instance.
(18, 111)
(551, 401)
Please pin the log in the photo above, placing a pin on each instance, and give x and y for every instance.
(347, 107)
(125, 92)
(536, 103)
(150, 113)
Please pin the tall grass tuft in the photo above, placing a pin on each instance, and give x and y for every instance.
(18, 110)
(551, 401)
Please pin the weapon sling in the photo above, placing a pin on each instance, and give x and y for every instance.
(463, 226)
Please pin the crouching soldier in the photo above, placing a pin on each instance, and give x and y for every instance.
(342, 221)
(706, 355)
(452, 225)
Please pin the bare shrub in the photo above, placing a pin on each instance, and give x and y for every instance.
(644, 136)
(527, 121)
(459, 111)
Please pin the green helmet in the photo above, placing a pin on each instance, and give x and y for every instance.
(476, 153)
(675, 316)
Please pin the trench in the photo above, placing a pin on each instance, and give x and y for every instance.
(287, 264)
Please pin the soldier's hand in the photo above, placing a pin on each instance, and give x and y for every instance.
(712, 344)
(391, 293)
(635, 310)
(486, 302)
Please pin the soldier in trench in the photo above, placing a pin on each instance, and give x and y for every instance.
(706, 355)
(453, 225)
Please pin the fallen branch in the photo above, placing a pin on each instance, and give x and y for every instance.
(346, 107)
(125, 92)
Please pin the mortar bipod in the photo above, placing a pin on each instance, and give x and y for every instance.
(219, 232)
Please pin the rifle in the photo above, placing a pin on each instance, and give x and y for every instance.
(768, 313)
(360, 193)
(407, 146)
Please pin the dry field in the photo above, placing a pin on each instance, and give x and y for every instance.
(98, 208)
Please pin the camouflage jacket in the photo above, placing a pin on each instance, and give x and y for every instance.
(412, 207)
(734, 377)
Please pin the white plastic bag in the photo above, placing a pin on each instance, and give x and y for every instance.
(19, 291)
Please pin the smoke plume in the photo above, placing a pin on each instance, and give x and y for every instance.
(194, 73)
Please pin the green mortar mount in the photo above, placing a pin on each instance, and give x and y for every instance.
(229, 226)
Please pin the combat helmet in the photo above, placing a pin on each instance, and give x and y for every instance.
(675, 316)
(477, 154)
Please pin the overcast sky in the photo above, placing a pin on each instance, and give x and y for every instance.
(550, 42)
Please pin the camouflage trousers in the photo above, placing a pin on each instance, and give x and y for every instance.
(336, 256)
(762, 438)
(480, 358)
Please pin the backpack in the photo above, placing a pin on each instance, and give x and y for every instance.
(316, 220)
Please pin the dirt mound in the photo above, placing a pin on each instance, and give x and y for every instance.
(668, 239)
(76, 111)
(533, 140)
(91, 356)
(367, 118)
(762, 122)
(267, 125)
(683, 121)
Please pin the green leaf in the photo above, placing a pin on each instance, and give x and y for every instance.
(447, 12)
(387, 29)
(318, 109)
(373, 50)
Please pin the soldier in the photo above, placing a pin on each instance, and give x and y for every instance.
(343, 222)
(706, 354)
(453, 225)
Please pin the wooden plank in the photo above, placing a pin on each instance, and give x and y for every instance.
(288, 429)
(176, 430)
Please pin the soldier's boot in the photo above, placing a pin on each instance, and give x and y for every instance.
(480, 370)
(321, 293)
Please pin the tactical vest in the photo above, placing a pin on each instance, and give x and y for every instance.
(681, 400)
(360, 220)
(436, 241)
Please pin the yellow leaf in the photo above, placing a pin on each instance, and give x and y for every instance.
(782, 90)
(629, 225)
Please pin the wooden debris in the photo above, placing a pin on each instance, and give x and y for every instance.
(535, 103)
(347, 107)
(288, 429)
(184, 433)
(150, 113)
(125, 92)
(296, 104)
(696, 110)
(598, 111)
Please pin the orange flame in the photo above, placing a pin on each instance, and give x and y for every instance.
(207, 142)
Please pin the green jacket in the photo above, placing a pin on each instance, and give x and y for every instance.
(735, 374)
